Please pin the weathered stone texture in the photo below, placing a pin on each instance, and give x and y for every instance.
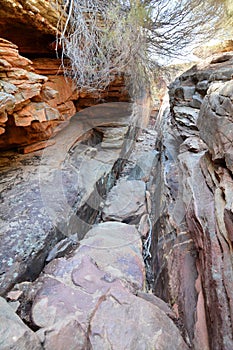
(36, 100)
(215, 122)
(76, 293)
(34, 107)
(31, 25)
(27, 113)
(14, 334)
(193, 210)
(126, 202)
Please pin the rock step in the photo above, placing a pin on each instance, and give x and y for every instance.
(94, 298)
(88, 301)
(48, 196)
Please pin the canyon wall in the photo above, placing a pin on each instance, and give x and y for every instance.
(36, 100)
(193, 208)
(190, 187)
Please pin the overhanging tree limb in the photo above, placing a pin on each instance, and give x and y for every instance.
(104, 38)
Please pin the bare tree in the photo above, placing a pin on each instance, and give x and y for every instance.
(103, 38)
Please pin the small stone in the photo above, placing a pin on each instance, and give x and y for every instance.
(144, 227)
(14, 295)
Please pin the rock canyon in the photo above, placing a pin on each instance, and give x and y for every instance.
(116, 226)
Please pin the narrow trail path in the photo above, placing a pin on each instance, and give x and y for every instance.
(92, 293)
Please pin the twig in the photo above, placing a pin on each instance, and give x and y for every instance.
(147, 243)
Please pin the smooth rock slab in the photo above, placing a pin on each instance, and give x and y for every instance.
(123, 321)
(117, 250)
(14, 334)
(125, 202)
(110, 250)
(115, 247)
(69, 289)
(104, 313)
(67, 334)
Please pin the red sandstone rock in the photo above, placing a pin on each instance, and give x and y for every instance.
(36, 146)
(26, 98)
(41, 98)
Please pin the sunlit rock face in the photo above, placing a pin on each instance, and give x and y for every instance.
(32, 106)
(36, 100)
(29, 100)
(193, 205)
(217, 47)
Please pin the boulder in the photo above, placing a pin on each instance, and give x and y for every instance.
(123, 321)
(117, 250)
(14, 334)
(80, 300)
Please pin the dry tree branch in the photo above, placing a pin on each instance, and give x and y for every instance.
(103, 38)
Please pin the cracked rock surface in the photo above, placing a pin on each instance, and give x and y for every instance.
(193, 211)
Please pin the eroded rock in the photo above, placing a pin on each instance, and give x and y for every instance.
(24, 100)
(126, 201)
(77, 294)
(117, 249)
(14, 334)
(62, 196)
(193, 208)
(113, 325)
(66, 334)
(215, 122)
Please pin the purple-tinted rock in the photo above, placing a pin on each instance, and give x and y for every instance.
(94, 310)
(14, 334)
(126, 201)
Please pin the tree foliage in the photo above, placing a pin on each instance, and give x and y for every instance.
(103, 38)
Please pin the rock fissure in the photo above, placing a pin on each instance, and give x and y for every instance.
(108, 261)
(119, 233)
(196, 203)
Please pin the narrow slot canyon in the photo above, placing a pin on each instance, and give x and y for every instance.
(115, 215)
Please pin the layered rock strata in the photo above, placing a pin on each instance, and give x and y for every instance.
(40, 100)
(91, 294)
(37, 100)
(193, 203)
(31, 109)
(31, 25)
(63, 179)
